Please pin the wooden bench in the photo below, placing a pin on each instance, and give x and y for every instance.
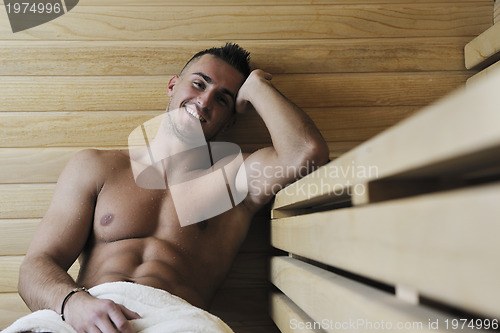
(402, 230)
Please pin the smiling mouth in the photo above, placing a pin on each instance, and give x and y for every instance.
(195, 114)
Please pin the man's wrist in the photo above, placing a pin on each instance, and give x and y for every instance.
(68, 296)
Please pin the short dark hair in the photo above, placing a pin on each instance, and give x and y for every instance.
(231, 53)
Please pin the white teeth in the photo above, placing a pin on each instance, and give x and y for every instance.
(195, 114)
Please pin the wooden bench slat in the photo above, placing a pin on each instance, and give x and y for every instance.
(275, 56)
(484, 73)
(121, 93)
(458, 133)
(325, 295)
(210, 22)
(483, 49)
(289, 317)
(449, 236)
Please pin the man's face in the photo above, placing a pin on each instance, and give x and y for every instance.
(206, 93)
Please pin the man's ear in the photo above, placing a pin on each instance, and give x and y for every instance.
(171, 85)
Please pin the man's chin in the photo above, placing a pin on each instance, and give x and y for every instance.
(188, 131)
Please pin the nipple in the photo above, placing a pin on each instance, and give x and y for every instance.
(106, 219)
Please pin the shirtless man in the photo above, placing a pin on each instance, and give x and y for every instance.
(123, 232)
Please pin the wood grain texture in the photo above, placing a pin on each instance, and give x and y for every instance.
(275, 56)
(12, 307)
(109, 93)
(484, 49)
(496, 12)
(92, 93)
(442, 244)
(60, 129)
(15, 236)
(279, 22)
(33, 165)
(20, 201)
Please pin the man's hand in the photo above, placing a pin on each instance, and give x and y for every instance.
(243, 100)
(89, 314)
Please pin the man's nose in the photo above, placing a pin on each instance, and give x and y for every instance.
(205, 100)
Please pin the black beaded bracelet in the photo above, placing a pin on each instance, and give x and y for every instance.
(71, 293)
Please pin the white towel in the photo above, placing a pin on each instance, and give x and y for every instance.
(160, 312)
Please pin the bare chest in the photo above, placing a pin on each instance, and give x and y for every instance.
(125, 211)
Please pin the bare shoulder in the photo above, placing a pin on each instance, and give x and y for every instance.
(97, 160)
(92, 166)
(96, 157)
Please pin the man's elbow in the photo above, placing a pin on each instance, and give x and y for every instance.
(318, 153)
(314, 155)
(22, 284)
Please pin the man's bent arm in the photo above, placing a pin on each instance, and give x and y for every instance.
(298, 146)
(59, 239)
(57, 243)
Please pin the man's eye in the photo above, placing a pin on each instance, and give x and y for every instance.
(198, 84)
(222, 100)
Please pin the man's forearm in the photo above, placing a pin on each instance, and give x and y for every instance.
(293, 133)
(43, 284)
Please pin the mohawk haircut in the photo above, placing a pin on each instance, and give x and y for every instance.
(231, 53)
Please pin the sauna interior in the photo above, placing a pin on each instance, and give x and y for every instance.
(414, 242)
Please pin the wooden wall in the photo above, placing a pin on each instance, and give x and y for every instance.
(88, 78)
